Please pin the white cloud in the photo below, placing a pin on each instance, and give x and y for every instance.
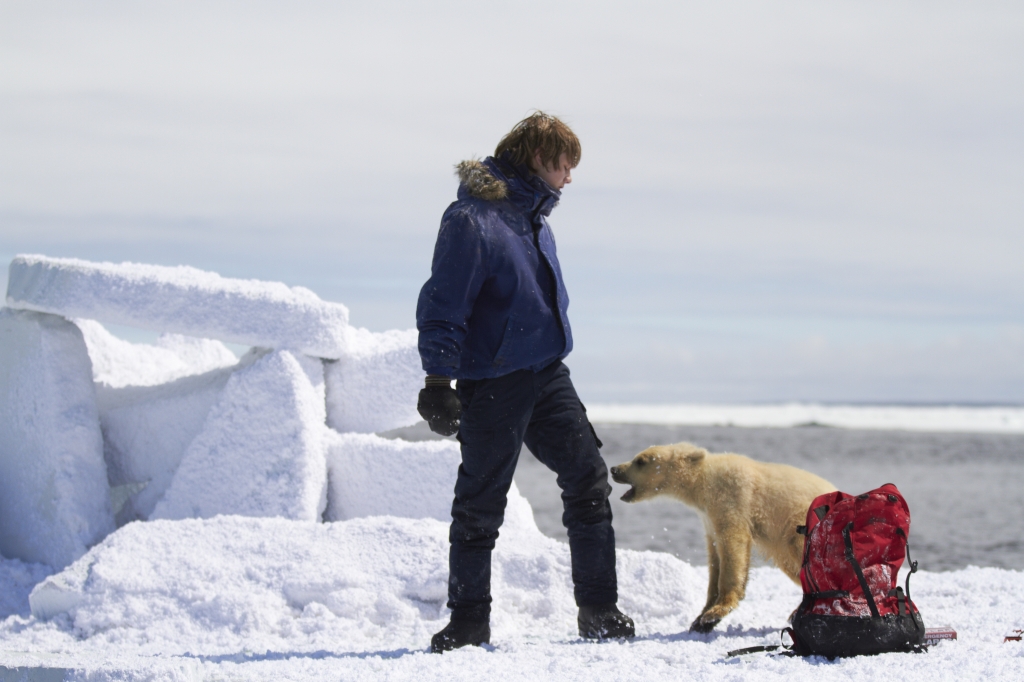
(797, 158)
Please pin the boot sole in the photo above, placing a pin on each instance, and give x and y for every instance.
(590, 634)
(440, 650)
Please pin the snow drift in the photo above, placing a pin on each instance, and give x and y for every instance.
(229, 583)
(259, 598)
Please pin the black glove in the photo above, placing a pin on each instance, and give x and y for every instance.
(440, 406)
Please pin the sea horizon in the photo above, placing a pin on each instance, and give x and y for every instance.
(895, 415)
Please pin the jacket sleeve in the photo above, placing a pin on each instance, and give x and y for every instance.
(446, 301)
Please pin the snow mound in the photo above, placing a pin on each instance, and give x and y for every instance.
(374, 386)
(261, 449)
(180, 299)
(231, 583)
(247, 598)
(54, 496)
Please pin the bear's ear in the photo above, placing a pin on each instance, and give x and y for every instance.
(688, 452)
(694, 456)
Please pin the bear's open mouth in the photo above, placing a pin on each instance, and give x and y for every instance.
(628, 495)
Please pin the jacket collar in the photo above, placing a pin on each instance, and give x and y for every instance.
(497, 178)
(525, 190)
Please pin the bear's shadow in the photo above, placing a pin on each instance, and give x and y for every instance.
(713, 636)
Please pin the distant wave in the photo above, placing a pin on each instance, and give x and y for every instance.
(902, 417)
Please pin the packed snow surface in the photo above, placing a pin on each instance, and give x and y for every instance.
(247, 598)
(181, 300)
(910, 418)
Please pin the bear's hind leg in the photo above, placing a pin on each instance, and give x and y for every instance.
(789, 558)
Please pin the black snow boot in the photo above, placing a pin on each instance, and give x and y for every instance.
(461, 633)
(604, 621)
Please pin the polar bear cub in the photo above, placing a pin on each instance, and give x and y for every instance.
(741, 502)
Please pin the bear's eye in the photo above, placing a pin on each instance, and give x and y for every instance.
(641, 462)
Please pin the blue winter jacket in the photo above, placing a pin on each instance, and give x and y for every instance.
(495, 301)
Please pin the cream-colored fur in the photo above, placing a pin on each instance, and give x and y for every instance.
(479, 181)
(742, 502)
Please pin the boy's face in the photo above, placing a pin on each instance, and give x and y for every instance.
(557, 176)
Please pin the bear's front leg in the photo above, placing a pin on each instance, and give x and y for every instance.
(733, 544)
(713, 569)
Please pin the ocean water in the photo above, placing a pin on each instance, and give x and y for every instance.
(965, 490)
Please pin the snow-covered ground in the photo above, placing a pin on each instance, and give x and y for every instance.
(244, 598)
(241, 521)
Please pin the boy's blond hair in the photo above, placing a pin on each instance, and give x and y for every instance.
(540, 132)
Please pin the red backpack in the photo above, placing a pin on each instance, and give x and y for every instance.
(853, 550)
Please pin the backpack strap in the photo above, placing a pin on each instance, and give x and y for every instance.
(901, 600)
(860, 574)
(829, 594)
(910, 562)
(787, 649)
(807, 603)
(751, 650)
(913, 569)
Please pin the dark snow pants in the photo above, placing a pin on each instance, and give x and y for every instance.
(498, 416)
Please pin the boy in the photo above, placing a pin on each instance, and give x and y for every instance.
(493, 317)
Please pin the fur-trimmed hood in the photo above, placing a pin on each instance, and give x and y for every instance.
(496, 179)
(479, 180)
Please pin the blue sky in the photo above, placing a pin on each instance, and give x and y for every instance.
(777, 201)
